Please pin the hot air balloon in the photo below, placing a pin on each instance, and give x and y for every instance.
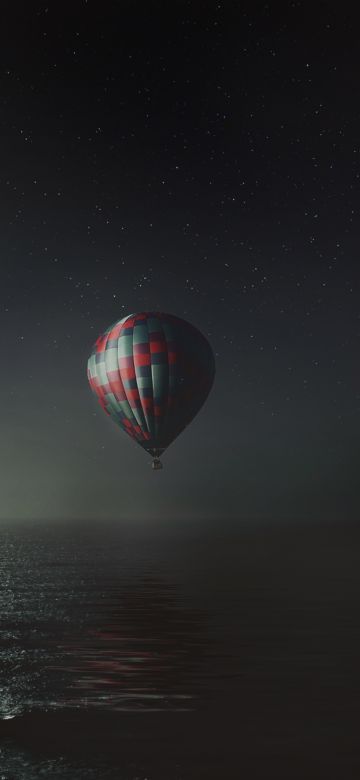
(151, 372)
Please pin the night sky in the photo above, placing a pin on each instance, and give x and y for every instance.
(201, 158)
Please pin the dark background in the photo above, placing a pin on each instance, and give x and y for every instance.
(201, 158)
(202, 622)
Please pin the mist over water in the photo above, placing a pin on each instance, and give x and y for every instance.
(192, 651)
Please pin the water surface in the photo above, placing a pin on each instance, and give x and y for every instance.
(193, 651)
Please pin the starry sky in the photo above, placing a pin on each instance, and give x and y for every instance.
(201, 158)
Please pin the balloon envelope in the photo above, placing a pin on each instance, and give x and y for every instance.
(151, 372)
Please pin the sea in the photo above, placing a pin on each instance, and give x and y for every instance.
(194, 650)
